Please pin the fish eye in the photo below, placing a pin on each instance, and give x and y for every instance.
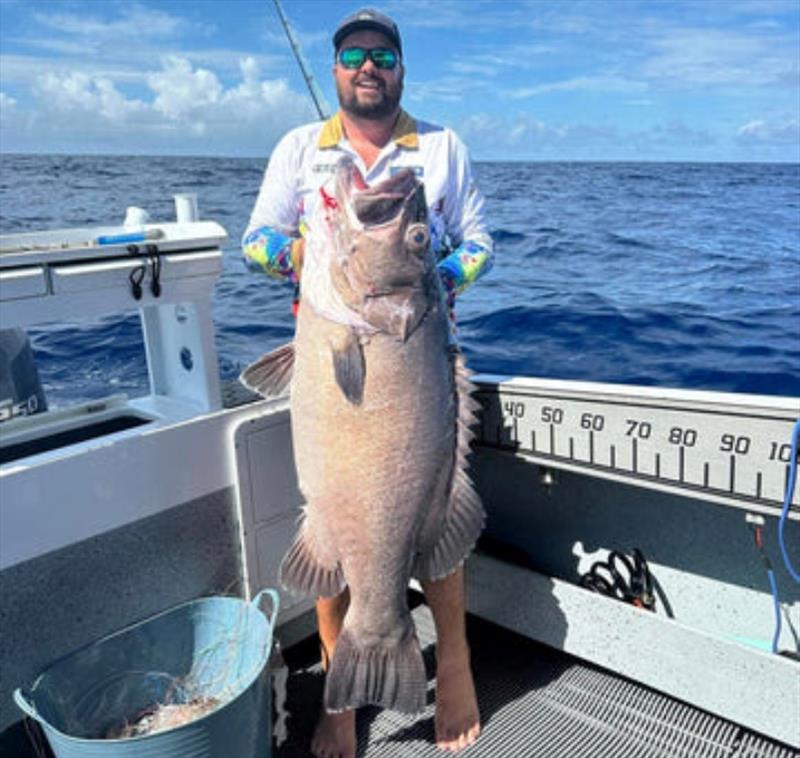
(417, 237)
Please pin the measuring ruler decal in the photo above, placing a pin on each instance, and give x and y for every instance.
(732, 449)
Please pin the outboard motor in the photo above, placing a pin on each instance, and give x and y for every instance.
(21, 392)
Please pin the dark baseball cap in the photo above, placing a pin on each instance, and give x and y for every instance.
(368, 18)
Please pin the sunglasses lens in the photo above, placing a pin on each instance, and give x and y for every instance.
(383, 58)
(352, 57)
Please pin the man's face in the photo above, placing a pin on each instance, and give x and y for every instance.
(368, 92)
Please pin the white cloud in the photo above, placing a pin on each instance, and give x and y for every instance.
(529, 135)
(62, 47)
(125, 66)
(12, 119)
(6, 102)
(715, 57)
(136, 23)
(181, 90)
(78, 92)
(275, 37)
(488, 64)
(446, 89)
(753, 129)
(188, 109)
(524, 137)
(256, 103)
(673, 133)
(25, 70)
(760, 131)
(585, 83)
(453, 14)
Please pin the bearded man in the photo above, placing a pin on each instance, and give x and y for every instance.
(381, 139)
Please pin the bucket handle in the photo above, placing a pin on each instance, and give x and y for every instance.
(23, 701)
(276, 603)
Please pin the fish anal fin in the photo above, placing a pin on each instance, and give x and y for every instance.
(389, 675)
(464, 516)
(271, 374)
(349, 367)
(302, 570)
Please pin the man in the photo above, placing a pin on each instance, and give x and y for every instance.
(381, 138)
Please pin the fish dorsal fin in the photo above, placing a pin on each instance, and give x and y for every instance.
(349, 367)
(271, 374)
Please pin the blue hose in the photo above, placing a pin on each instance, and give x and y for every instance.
(787, 501)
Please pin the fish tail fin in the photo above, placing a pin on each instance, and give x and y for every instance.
(392, 676)
(271, 374)
(302, 571)
(464, 515)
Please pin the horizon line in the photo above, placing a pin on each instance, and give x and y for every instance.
(264, 157)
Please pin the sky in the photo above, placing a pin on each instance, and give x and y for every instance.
(638, 80)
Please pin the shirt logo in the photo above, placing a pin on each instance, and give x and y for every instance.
(323, 168)
(416, 170)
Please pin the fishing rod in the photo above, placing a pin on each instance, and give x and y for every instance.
(314, 90)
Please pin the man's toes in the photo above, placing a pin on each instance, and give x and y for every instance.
(448, 741)
(454, 741)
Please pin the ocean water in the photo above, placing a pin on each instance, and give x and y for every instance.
(675, 275)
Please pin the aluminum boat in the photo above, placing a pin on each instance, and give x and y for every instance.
(116, 509)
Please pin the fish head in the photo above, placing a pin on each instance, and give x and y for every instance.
(383, 265)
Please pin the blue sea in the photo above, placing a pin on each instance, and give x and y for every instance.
(668, 274)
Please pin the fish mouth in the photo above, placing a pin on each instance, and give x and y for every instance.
(383, 203)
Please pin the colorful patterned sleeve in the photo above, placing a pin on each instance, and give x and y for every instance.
(266, 249)
(463, 266)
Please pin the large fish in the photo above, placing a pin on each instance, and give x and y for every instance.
(381, 410)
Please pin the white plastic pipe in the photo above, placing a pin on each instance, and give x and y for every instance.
(186, 207)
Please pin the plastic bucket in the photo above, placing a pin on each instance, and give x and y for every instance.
(215, 649)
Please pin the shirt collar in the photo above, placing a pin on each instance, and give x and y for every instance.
(404, 133)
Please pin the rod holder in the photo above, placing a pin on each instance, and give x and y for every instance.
(186, 207)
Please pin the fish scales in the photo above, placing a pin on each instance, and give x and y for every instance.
(380, 414)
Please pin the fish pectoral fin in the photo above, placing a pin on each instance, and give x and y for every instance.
(464, 516)
(397, 313)
(391, 674)
(349, 367)
(302, 571)
(271, 374)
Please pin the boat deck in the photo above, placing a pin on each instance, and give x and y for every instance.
(534, 701)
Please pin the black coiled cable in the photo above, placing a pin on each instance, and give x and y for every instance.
(623, 578)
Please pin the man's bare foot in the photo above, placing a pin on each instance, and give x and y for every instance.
(335, 735)
(457, 719)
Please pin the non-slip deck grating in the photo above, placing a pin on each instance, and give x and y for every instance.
(756, 746)
(534, 702)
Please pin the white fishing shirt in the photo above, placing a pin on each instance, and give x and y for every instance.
(307, 156)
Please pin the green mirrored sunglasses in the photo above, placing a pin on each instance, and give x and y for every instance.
(354, 57)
